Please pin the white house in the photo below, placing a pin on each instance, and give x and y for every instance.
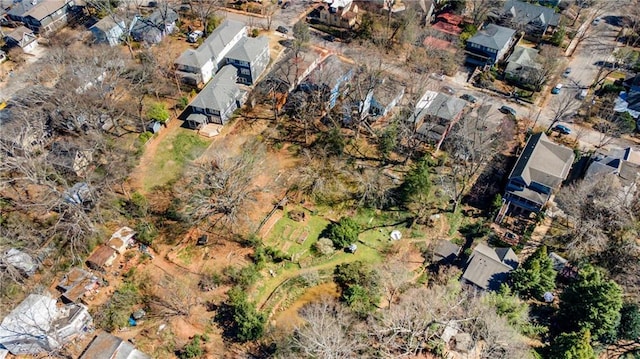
(108, 30)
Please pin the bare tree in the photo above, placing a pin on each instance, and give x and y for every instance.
(205, 11)
(479, 10)
(563, 107)
(549, 60)
(394, 279)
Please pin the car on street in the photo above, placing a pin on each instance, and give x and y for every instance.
(469, 98)
(596, 21)
(566, 72)
(562, 129)
(507, 110)
(448, 90)
(556, 90)
(194, 36)
(281, 29)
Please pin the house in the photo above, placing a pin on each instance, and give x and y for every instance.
(535, 21)
(19, 260)
(217, 101)
(49, 15)
(108, 30)
(331, 77)
(75, 284)
(624, 164)
(523, 66)
(23, 38)
(101, 258)
(488, 267)
(153, 28)
(107, 346)
(121, 239)
(384, 97)
(434, 116)
(195, 67)
(70, 158)
(539, 171)
(339, 13)
(18, 10)
(445, 252)
(428, 7)
(250, 56)
(489, 45)
(39, 325)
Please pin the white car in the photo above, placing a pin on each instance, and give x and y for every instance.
(596, 21)
(194, 36)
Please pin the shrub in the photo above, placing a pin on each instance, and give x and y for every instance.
(324, 246)
(158, 112)
(183, 102)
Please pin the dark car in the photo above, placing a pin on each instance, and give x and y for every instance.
(330, 38)
(469, 98)
(507, 110)
(286, 5)
(448, 90)
(282, 29)
(562, 129)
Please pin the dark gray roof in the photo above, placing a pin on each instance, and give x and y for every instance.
(220, 92)
(493, 37)
(525, 13)
(543, 161)
(249, 48)
(488, 267)
(439, 105)
(445, 250)
(107, 23)
(156, 21)
(21, 7)
(522, 58)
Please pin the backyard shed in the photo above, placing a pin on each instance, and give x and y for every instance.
(101, 258)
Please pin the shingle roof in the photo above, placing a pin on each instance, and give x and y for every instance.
(488, 267)
(248, 48)
(439, 105)
(107, 23)
(20, 8)
(525, 13)
(543, 161)
(45, 8)
(19, 33)
(522, 57)
(493, 37)
(220, 91)
(212, 46)
(107, 346)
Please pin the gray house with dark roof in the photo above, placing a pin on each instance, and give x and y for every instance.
(153, 28)
(217, 101)
(250, 56)
(532, 19)
(434, 116)
(489, 45)
(539, 171)
(48, 15)
(198, 66)
(487, 268)
(108, 30)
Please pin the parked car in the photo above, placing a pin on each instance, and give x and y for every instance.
(435, 76)
(286, 5)
(596, 21)
(583, 94)
(282, 29)
(562, 129)
(194, 36)
(469, 98)
(566, 72)
(448, 90)
(556, 90)
(507, 110)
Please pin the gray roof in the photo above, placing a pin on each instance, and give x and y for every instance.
(543, 161)
(107, 346)
(558, 262)
(156, 21)
(441, 106)
(522, 58)
(249, 48)
(493, 37)
(526, 13)
(220, 92)
(213, 45)
(43, 9)
(20, 260)
(624, 163)
(388, 90)
(446, 250)
(20, 8)
(488, 267)
(107, 23)
(27, 323)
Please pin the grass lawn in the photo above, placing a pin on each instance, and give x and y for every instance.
(174, 152)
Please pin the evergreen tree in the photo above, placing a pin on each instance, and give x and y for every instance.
(592, 302)
(535, 276)
(574, 345)
(359, 286)
(629, 327)
(417, 183)
(342, 233)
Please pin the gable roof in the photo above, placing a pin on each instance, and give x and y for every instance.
(20, 260)
(249, 48)
(625, 163)
(156, 21)
(438, 105)
(489, 267)
(20, 34)
(20, 8)
(493, 37)
(107, 23)
(522, 57)
(446, 250)
(107, 346)
(29, 322)
(212, 46)
(45, 8)
(543, 161)
(526, 13)
(220, 92)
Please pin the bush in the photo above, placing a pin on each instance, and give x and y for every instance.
(158, 112)
(183, 102)
(324, 246)
(239, 318)
(192, 350)
(115, 313)
(342, 233)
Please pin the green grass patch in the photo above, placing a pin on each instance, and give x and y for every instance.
(174, 151)
(455, 220)
(186, 254)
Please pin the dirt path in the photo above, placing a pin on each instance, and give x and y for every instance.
(537, 237)
(136, 178)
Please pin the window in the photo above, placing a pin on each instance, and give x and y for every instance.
(245, 71)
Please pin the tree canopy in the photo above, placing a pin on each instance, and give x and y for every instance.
(574, 345)
(343, 233)
(158, 112)
(359, 286)
(535, 276)
(593, 302)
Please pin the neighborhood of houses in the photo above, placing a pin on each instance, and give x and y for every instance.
(230, 68)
